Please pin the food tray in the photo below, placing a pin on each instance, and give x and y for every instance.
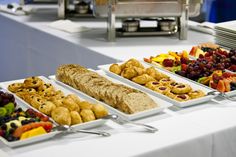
(174, 77)
(162, 104)
(28, 140)
(85, 125)
(231, 93)
(31, 140)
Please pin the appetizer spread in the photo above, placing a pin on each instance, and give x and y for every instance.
(208, 68)
(223, 59)
(171, 61)
(155, 80)
(64, 109)
(125, 99)
(222, 81)
(16, 124)
(202, 48)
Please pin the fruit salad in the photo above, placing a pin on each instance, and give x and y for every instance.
(222, 81)
(17, 124)
(208, 68)
(171, 61)
(222, 58)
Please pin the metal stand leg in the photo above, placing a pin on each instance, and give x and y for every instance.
(183, 21)
(62, 9)
(111, 30)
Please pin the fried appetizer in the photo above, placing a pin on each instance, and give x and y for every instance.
(87, 115)
(143, 79)
(75, 118)
(115, 68)
(99, 111)
(61, 115)
(47, 108)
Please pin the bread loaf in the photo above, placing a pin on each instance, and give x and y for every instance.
(124, 98)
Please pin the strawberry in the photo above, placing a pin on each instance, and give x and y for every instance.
(207, 54)
(48, 127)
(193, 51)
(227, 75)
(216, 78)
(44, 118)
(147, 60)
(232, 68)
(184, 67)
(1, 132)
(213, 85)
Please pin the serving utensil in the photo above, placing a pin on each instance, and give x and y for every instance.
(122, 121)
(223, 95)
(69, 129)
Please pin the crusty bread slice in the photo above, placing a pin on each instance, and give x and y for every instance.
(137, 102)
(119, 96)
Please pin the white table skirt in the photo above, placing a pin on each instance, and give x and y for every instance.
(206, 132)
(29, 47)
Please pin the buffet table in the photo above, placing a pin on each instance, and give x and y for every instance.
(30, 47)
(204, 130)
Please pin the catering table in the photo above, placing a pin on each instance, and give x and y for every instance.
(206, 130)
(30, 47)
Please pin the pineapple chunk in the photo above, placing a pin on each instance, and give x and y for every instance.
(34, 132)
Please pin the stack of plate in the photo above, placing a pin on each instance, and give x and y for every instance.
(225, 34)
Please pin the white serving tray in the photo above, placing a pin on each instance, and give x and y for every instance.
(86, 125)
(162, 104)
(231, 93)
(28, 140)
(177, 79)
(31, 140)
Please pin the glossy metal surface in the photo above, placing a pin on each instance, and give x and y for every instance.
(122, 121)
(223, 95)
(180, 9)
(146, 8)
(68, 129)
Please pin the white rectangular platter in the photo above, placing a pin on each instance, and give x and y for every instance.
(28, 140)
(85, 125)
(162, 104)
(174, 77)
(231, 93)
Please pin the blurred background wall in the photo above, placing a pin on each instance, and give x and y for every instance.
(219, 10)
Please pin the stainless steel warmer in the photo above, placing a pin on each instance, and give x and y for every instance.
(75, 8)
(171, 16)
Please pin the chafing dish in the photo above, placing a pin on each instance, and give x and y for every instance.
(171, 16)
(75, 8)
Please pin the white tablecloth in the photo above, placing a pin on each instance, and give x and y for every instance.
(30, 47)
(206, 132)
